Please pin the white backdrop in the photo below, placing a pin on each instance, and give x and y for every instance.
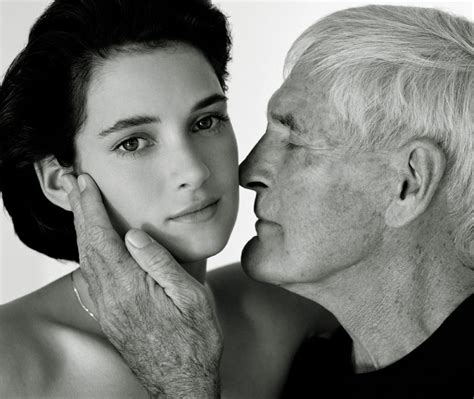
(262, 33)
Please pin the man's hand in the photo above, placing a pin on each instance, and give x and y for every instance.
(159, 318)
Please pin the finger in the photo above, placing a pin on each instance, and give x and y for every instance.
(69, 183)
(71, 186)
(104, 241)
(92, 205)
(160, 265)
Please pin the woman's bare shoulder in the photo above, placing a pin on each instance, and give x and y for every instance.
(19, 325)
(48, 350)
(32, 331)
(268, 304)
(23, 355)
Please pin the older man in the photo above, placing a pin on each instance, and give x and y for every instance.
(364, 182)
(365, 193)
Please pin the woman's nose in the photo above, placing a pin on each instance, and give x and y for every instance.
(190, 170)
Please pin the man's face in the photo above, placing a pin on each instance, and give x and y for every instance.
(320, 207)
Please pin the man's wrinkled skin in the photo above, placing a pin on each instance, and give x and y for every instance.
(335, 222)
(161, 320)
(319, 204)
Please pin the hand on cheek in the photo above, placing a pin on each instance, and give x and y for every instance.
(143, 298)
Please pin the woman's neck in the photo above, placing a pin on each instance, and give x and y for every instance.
(196, 269)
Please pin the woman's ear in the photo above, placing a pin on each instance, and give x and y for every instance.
(421, 165)
(50, 173)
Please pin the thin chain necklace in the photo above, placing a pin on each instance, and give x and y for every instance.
(80, 300)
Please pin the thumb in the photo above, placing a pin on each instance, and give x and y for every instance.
(159, 263)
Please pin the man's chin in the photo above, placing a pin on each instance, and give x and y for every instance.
(254, 261)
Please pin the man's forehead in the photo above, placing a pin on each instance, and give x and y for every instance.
(305, 103)
(292, 93)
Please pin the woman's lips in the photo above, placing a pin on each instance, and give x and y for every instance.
(201, 215)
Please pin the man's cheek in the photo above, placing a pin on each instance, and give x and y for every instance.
(355, 217)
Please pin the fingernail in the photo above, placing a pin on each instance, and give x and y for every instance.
(138, 238)
(81, 183)
(66, 184)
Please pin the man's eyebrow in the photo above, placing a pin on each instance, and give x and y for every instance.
(287, 120)
(129, 122)
(205, 102)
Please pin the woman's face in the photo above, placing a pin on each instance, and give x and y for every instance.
(159, 145)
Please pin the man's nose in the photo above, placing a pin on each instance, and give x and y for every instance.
(254, 171)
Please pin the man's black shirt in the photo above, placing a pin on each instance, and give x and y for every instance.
(441, 367)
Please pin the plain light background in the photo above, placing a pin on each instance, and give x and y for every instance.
(262, 34)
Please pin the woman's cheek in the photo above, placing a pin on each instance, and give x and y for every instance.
(124, 201)
(230, 158)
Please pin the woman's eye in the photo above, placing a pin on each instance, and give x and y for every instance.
(205, 123)
(132, 145)
(209, 122)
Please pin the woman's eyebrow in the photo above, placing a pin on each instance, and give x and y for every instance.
(205, 102)
(145, 119)
(129, 122)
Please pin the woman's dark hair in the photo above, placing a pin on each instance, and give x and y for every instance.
(42, 97)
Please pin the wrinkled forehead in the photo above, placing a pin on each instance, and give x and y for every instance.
(305, 101)
(295, 89)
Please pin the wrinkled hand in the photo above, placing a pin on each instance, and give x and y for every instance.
(161, 320)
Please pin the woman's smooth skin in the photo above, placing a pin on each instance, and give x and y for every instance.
(158, 143)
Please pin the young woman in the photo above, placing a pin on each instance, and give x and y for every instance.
(132, 93)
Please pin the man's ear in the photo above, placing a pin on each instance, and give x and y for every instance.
(50, 173)
(421, 165)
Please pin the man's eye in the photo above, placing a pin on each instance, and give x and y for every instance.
(291, 146)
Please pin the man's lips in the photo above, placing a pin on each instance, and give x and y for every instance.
(258, 208)
(265, 227)
(264, 223)
(261, 217)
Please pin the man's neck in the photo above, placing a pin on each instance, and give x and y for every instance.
(390, 305)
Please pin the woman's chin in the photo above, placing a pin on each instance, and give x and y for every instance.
(188, 246)
(196, 252)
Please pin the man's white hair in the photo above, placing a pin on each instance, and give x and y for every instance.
(398, 73)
